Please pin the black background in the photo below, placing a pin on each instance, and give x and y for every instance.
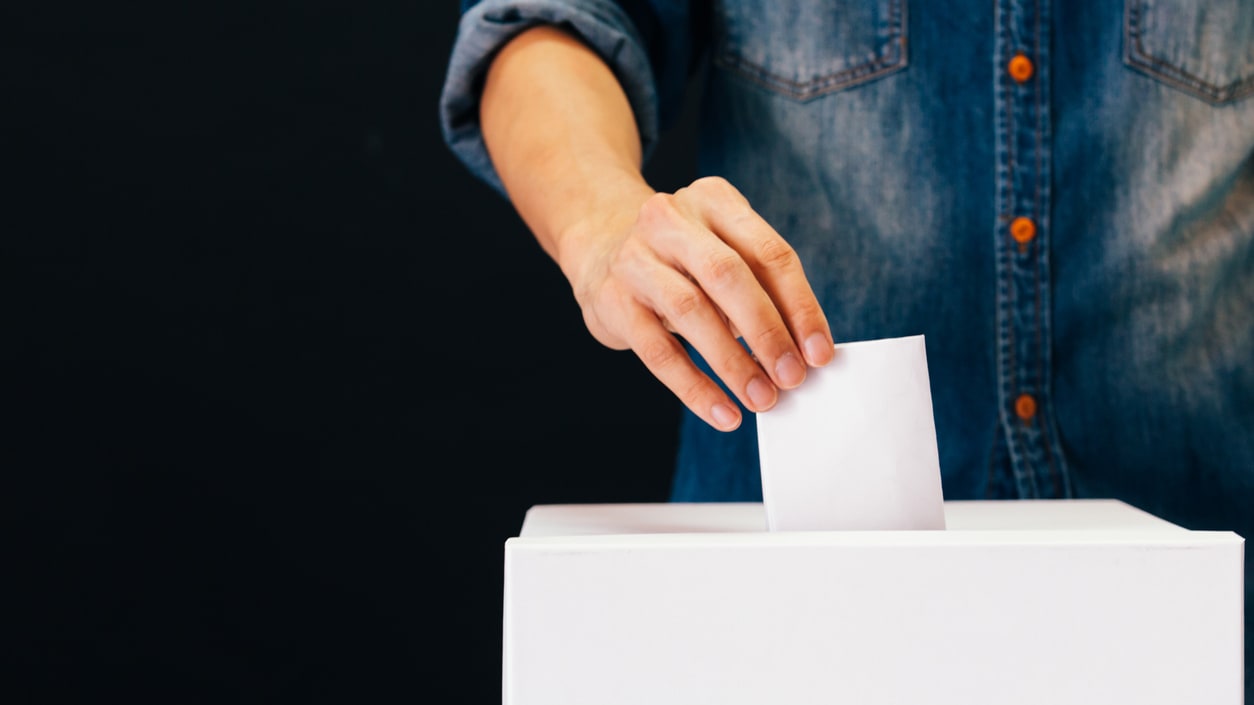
(281, 376)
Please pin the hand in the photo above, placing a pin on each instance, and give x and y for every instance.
(703, 265)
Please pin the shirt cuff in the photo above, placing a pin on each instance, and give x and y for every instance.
(488, 25)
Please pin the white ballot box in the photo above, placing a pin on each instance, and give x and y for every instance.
(1024, 602)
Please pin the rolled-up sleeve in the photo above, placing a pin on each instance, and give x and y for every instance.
(625, 42)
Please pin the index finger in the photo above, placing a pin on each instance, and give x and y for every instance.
(775, 264)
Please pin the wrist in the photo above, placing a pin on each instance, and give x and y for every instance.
(602, 218)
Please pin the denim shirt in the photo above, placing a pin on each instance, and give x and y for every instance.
(1058, 194)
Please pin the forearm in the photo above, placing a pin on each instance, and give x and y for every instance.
(563, 139)
(647, 269)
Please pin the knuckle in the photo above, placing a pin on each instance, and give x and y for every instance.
(681, 302)
(658, 208)
(721, 266)
(722, 192)
(658, 353)
(774, 332)
(734, 360)
(602, 332)
(713, 184)
(742, 215)
(808, 310)
(776, 253)
(693, 392)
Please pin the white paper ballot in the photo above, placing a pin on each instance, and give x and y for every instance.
(854, 447)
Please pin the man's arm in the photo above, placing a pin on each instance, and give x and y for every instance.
(699, 263)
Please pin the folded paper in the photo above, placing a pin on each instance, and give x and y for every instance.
(854, 447)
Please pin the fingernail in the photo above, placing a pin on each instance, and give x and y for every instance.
(818, 350)
(761, 393)
(790, 371)
(725, 417)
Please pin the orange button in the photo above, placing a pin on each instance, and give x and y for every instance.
(1025, 406)
(1020, 68)
(1022, 230)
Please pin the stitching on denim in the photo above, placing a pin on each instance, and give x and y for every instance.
(1136, 56)
(805, 90)
(892, 57)
(1003, 290)
(1016, 427)
(1045, 407)
(1011, 375)
(1042, 260)
(1011, 164)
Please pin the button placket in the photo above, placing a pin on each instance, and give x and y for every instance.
(1023, 257)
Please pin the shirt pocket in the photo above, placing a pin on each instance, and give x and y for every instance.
(803, 49)
(1202, 47)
